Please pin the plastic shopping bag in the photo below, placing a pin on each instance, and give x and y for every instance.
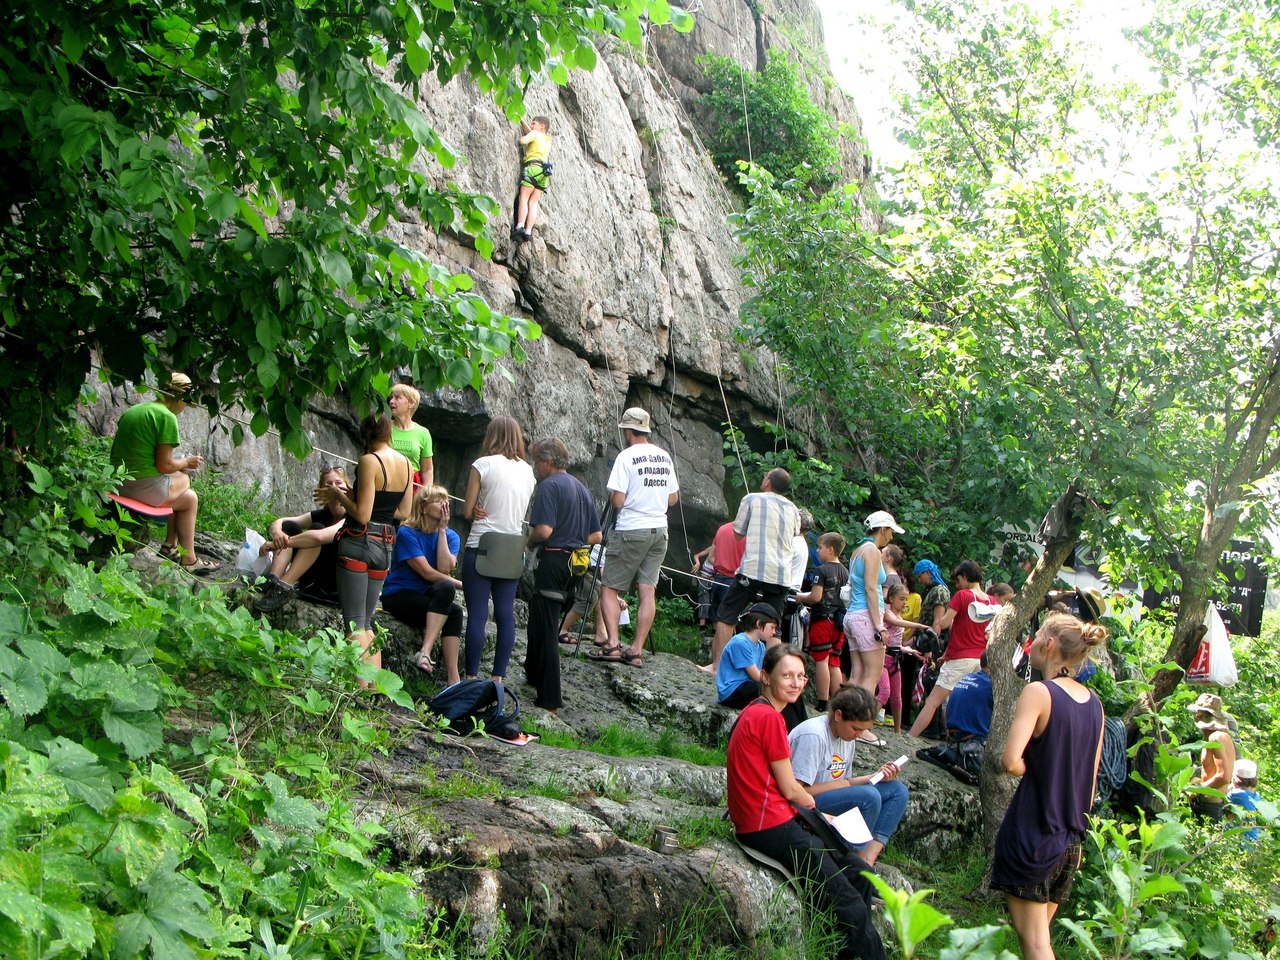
(249, 562)
(1214, 663)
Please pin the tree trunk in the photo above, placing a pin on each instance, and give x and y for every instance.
(995, 786)
(1198, 577)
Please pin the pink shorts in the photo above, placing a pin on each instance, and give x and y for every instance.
(860, 632)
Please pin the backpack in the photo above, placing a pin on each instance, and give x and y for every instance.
(469, 703)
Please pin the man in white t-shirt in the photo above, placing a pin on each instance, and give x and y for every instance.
(641, 486)
(821, 756)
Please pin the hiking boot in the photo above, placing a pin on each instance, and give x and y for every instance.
(274, 597)
(524, 234)
(269, 580)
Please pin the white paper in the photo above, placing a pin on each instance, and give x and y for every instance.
(878, 775)
(852, 827)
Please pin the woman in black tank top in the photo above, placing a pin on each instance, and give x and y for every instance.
(381, 497)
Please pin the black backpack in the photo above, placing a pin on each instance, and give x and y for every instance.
(468, 704)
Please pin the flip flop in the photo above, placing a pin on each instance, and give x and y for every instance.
(611, 654)
(425, 664)
(873, 742)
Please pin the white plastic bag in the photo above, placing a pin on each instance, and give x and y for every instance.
(1214, 663)
(249, 562)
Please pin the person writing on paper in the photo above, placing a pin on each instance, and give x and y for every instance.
(764, 795)
(1055, 746)
(822, 751)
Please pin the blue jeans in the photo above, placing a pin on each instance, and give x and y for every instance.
(882, 805)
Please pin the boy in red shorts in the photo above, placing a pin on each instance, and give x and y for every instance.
(826, 623)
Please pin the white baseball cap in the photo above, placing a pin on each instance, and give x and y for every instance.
(883, 518)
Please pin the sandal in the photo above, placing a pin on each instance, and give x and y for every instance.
(567, 639)
(610, 654)
(169, 551)
(197, 566)
(425, 664)
(872, 741)
(631, 659)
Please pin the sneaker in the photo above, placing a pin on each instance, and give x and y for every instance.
(524, 234)
(274, 597)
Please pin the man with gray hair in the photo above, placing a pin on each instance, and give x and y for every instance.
(563, 519)
(642, 486)
(769, 524)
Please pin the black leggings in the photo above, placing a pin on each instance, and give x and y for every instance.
(411, 607)
(832, 877)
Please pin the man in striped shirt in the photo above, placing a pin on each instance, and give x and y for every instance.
(768, 523)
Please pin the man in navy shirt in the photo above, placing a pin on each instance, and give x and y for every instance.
(563, 519)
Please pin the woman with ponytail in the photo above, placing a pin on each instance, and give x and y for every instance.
(1054, 745)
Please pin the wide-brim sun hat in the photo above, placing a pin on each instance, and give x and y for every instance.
(883, 518)
(1211, 704)
(177, 385)
(635, 419)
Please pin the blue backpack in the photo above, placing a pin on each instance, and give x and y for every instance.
(469, 703)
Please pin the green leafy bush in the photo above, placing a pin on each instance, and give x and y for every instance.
(770, 119)
(147, 806)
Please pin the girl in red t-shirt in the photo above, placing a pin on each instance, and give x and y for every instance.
(763, 793)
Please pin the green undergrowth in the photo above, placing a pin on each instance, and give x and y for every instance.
(176, 777)
(616, 740)
(226, 507)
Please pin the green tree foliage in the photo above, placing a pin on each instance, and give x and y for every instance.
(769, 117)
(1043, 310)
(212, 186)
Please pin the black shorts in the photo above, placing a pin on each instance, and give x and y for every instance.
(1056, 887)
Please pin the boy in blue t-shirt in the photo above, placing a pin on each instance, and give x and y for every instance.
(1244, 794)
(738, 673)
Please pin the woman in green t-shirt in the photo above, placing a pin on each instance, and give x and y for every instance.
(409, 438)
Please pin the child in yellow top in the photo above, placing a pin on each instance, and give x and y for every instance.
(536, 141)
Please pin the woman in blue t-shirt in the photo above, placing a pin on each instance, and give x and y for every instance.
(420, 588)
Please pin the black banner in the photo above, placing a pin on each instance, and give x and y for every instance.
(1241, 610)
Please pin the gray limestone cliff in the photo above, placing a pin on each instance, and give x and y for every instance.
(631, 275)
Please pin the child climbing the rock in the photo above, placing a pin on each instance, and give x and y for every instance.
(536, 176)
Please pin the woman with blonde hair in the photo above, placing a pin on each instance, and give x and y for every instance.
(1055, 746)
(499, 488)
(410, 438)
(420, 588)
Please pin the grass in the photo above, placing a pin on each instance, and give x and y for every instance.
(616, 740)
(460, 784)
(226, 508)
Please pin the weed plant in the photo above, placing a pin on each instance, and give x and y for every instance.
(226, 507)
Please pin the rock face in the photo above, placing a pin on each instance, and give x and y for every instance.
(631, 274)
